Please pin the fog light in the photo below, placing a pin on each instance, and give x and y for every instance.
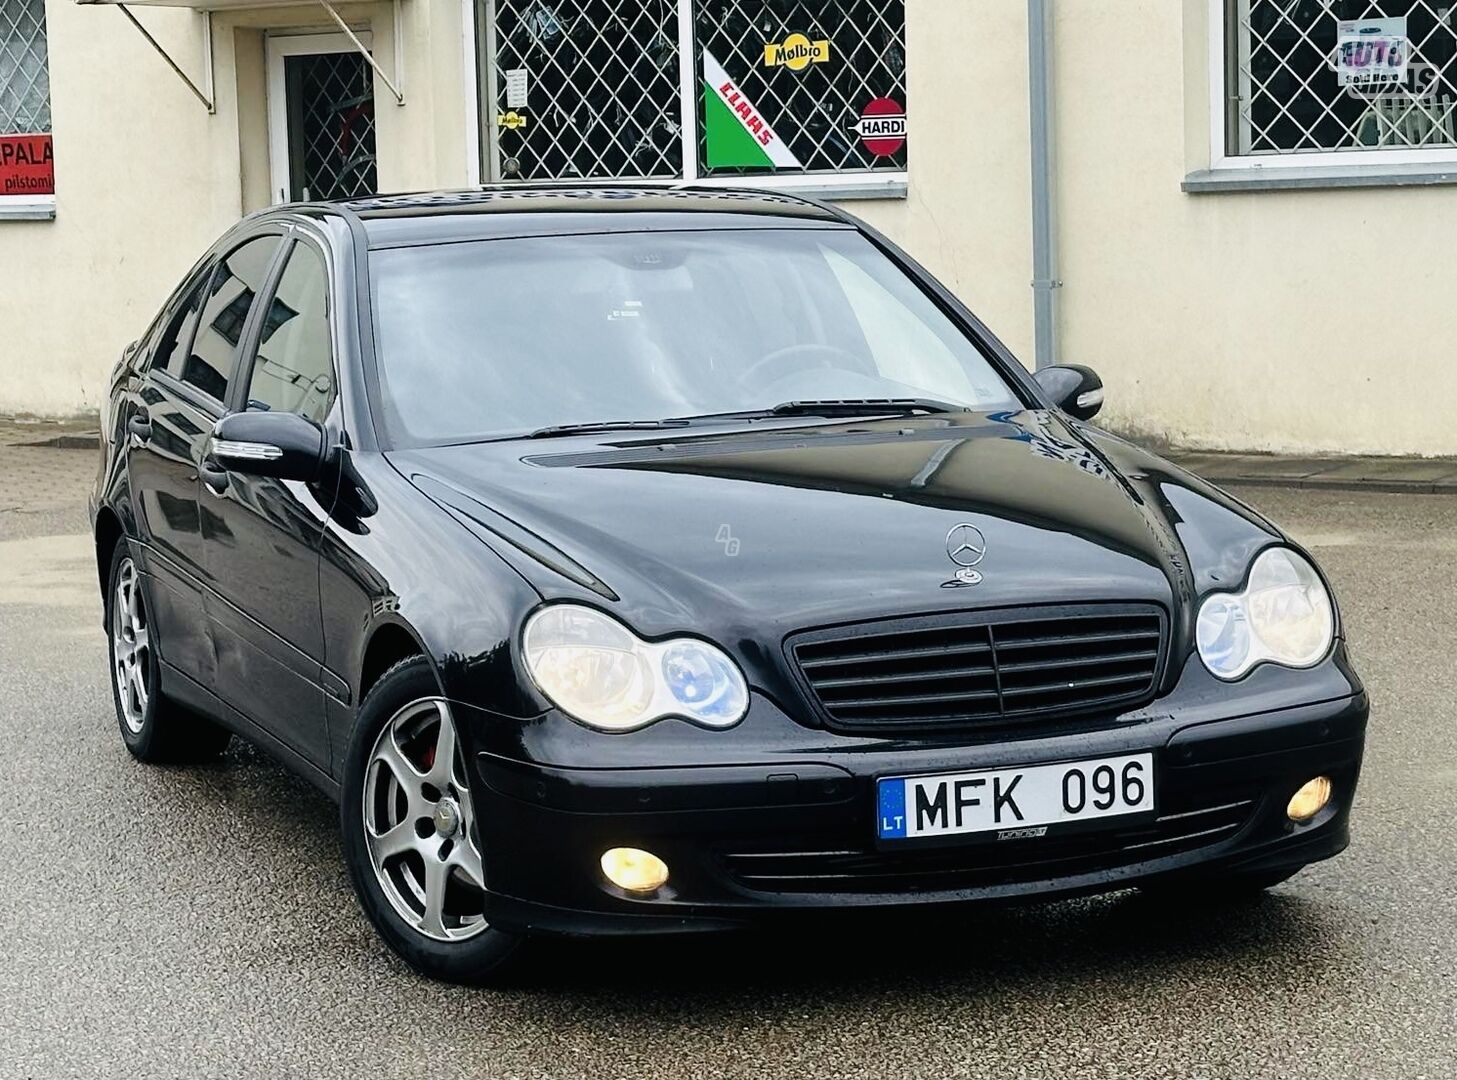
(1309, 800)
(633, 869)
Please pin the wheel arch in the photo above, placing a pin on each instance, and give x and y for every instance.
(386, 644)
(108, 533)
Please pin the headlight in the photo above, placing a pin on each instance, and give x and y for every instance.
(599, 672)
(1283, 615)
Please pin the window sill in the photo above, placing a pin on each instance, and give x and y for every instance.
(1258, 178)
(896, 189)
(830, 188)
(22, 208)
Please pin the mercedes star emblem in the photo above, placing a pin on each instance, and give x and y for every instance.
(966, 545)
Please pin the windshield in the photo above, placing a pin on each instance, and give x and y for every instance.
(502, 337)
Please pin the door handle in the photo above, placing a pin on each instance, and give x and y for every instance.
(214, 478)
(140, 429)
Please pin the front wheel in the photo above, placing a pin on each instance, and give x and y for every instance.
(410, 832)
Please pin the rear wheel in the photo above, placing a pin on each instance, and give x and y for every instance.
(410, 831)
(154, 728)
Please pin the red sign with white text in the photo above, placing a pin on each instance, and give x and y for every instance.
(26, 165)
(882, 126)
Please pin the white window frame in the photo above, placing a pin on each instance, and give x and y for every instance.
(864, 185)
(1219, 99)
(27, 207)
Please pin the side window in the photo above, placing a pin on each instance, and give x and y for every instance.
(294, 371)
(237, 281)
(177, 333)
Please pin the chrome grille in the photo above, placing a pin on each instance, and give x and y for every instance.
(982, 668)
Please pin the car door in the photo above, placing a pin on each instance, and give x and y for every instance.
(171, 412)
(262, 535)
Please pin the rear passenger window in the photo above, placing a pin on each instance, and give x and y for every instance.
(294, 371)
(177, 333)
(237, 281)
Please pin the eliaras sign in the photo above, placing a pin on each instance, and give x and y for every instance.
(736, 132)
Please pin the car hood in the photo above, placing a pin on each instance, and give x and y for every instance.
(809, 524)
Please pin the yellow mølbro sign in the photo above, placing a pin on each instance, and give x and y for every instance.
(511, 120)
(796, 52)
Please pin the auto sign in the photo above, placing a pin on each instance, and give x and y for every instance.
(1372, 52)
(882, 126)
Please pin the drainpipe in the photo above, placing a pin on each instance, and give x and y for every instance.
(1044, 233)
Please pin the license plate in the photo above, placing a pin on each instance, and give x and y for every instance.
(1019, 802)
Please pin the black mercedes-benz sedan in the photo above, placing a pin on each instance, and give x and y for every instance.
(652, 560)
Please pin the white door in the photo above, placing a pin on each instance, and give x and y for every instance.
(321, 142)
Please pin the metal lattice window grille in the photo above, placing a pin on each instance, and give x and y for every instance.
(814, 109)
(1288, 94)
(602, 88)
(25, 86)
(597, 88)
(332, 126)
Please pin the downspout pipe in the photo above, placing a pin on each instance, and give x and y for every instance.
(1045, 281)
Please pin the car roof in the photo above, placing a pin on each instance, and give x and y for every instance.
(544, 210)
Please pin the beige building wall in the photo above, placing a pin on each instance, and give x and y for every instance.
(1237, 321)
(1277, 320)
(144, 180)
(1232, 321)
(968, 215)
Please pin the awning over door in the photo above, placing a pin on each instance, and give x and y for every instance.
(204, 5)
(204, 94)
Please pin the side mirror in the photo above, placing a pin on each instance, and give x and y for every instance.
(1074, 389)
(279, 444)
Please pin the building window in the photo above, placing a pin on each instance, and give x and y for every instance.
(1309, 77)
(25, 102)
(599, 89)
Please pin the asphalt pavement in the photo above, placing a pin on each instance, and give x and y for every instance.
(168, 922)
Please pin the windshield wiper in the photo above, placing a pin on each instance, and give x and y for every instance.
(829, 407)
(863, 407)
(605, 425)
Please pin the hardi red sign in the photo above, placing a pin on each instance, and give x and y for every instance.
(26, 165)
(882, 126)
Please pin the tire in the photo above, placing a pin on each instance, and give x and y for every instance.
(410, 841)
(154, 728)
(1214, 890)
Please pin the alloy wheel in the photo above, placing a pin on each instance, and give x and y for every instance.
(131, 646)
(419, 824)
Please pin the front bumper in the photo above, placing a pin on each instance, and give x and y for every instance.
(794, 831)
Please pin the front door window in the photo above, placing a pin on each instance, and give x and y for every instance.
(294, 368)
